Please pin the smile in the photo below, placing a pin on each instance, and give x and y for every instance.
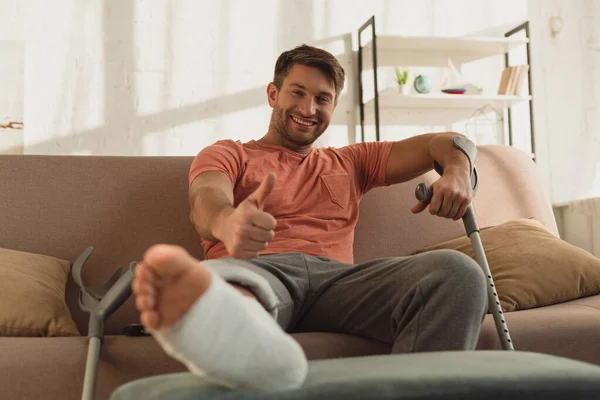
(303, 122)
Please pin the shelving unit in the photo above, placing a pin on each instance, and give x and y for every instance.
(388, 50)
(389, 98)
(434, 51)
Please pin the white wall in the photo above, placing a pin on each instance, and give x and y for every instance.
(568, 100)
(12, 72)
(157, 77)
(11, 19)
(579, 223)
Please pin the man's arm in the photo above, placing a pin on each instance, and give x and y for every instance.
(414, 156)
(245, 230)
(211, 198)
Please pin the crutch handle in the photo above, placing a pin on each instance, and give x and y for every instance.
(424, 193)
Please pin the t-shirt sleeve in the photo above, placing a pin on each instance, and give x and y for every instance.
(226, 156)
(370, 161)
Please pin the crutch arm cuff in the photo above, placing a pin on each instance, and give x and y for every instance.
(468, 148)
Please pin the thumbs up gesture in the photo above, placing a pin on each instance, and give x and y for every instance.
(247, 230)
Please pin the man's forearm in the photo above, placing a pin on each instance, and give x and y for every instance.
(443, 150)
(209, 208)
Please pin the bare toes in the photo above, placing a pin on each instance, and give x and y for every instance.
(167, 262)
(167, 282)
(145, 303)
(150, 319)
(144, 272)
(143, 288)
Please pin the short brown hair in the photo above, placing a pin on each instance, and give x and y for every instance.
(311, 57)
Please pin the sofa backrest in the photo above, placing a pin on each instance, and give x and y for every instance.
(510, 187)
(59, 205)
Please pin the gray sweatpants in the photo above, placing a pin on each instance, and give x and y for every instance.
(432, 301)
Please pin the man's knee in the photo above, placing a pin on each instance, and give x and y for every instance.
(460, 274)
(457, 265)
(466, 277)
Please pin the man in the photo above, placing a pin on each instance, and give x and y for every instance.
(276, 217)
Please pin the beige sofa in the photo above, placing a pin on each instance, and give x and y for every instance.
(59, 205)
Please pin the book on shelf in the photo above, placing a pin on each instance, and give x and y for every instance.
(511, 80)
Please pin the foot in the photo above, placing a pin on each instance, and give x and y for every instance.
(167, 282)
(203, 322)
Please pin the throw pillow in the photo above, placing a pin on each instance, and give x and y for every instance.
(530, 266)
(32, 295)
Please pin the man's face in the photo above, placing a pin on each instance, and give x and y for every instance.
(303, 107)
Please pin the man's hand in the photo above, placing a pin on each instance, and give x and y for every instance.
(247, 229)
(451, 195)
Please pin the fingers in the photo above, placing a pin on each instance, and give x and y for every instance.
(263, 220)
(445, 206)
(255, 239)
(260, 235)
(255, 246)
(250, 229)
(453, 213)
(251, 249)
(448, 205)
(261, 194)
(251, 239)
(436, 201)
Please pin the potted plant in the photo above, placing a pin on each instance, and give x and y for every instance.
(402, 79)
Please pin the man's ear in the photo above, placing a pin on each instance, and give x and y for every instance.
(272, 94)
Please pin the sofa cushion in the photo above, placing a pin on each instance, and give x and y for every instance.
(530, 266)
(32, 295)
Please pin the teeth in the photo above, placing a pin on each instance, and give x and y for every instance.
(302, 122)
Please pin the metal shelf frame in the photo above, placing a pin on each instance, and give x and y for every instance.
(370, 23)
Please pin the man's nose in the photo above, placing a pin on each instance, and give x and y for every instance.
(308, 107)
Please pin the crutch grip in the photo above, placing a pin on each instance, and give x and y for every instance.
(424, 193)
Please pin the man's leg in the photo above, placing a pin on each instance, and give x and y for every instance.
(433, 301)
(202, 321)
(278, 281)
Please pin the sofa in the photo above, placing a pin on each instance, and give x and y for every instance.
(60, 205)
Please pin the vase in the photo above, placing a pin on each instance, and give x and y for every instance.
(404, 88)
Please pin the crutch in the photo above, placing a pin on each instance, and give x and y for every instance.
(101, 302)
(424, 194)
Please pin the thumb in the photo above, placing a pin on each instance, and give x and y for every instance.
(264, 190)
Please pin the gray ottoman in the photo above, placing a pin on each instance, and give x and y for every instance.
(460, 375)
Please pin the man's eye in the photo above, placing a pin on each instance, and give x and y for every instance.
(323, 99)
(297, 92)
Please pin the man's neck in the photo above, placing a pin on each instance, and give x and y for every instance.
(275, 139)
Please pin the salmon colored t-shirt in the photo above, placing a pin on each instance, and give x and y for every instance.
(316, 196)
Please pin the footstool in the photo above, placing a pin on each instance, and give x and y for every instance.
(463, 375)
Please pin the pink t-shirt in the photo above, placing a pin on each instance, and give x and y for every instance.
(316, 196)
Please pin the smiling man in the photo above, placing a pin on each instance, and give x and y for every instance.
(303, 103)
(276, 217)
